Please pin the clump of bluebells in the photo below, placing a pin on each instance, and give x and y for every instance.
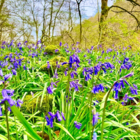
(7, 93)
(52, 117)
(119, 85)
(72, 87)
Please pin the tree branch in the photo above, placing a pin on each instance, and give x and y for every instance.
(126, 12)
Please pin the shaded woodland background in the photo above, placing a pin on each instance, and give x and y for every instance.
(53, 21)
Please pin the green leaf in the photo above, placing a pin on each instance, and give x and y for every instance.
(3, 137)
(64, 129)
(21, 118)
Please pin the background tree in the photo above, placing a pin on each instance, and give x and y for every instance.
(80, 17)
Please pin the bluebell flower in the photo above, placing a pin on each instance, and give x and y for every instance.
(24, 67)
(129, 75)
(15, 65)
(74, 59)
(125, 97)
(7, 76)
(116, 94)
(77, 125)
(87, 77)
(20, 48)
(49, 90)
(117, 87)
(5, 63)
(125, 60)
(64, 63)
(60, 44)
(97, 88)
(45, 53)
(49, 121)
(94, 136)
(6, 57)
(92, 48)
(55, 74)
(54, 84)
(14, 72)
(34, 55)
(108, 65)
(39, 41)
(126, 64)
(109, 50)
(58, 116)
(95, 119)
(72, 74)
(25, 42)
(71, 61)
(65, 72)
(133, 90)
(19, 102)
(7, 94)
(10, 66)
(48, 65)
(52, 115)
(75, 85)
(57, 65)
(20, 62)
(1, 73)
(1, 111)
(96, 102)
(63, 116)
(97, 68)
(56, 50)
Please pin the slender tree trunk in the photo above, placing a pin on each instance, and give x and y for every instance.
(79, 11)
(44, 26)
(1, 6)
(80, 16)
(55, 19)
(50, 24)
(102, 24)
(36, 33)
(69, 16)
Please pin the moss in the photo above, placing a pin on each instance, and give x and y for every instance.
(30, 106)
(59, 59)
(51, 49)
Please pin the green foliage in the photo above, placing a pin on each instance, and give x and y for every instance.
(21, 118)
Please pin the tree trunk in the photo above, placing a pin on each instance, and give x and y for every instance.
(55, 19)
(36, 33)
(79, 11)
(1, 6)
(50, 24)
(44, 26)
(102, 24)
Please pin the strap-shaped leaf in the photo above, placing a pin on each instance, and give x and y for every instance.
(21, 118)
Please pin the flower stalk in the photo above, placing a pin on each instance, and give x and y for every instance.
(103, 116)
(7, 123)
